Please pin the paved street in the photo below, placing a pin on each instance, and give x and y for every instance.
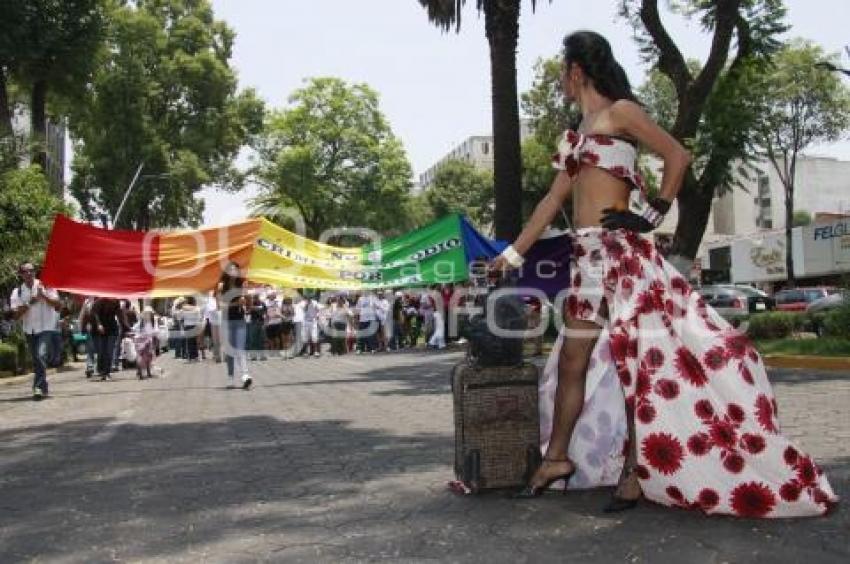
(340, 459)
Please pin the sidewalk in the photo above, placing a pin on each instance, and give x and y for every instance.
(340, 460)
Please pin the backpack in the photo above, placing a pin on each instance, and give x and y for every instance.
(489, 349)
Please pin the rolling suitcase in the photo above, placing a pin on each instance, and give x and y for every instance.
(497, 428)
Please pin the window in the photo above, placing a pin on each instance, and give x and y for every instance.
(485, 148)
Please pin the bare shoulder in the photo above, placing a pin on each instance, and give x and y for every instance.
(623, 112)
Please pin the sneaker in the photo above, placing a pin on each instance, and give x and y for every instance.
(317, 354)
(37, 394)
(246, 382)
(89, 373)
(106, 378)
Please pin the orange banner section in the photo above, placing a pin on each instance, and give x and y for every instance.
(194, 260)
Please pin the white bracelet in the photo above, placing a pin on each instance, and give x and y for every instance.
(514, 258)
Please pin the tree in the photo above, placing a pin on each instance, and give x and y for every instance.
(807, 105)
(164, 95)
(49, 46)
(27, 207)
(544, 103)
(459, 187)
(501, 23)
(717, 109)
(332, 157)
(802, 218)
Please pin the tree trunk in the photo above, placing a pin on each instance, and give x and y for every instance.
(38, 121)
(789, 229)
(502, 27)
(694, 208)
(5, 108)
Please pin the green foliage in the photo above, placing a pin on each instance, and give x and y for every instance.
(163, 94)
(544, 103)
(332, 157)
(807, 347)
(52, 42)
(802, 218)
(459, 187)
(8, 358)
(807, 104)
(775, 325)
(836, 323)
(27, 207)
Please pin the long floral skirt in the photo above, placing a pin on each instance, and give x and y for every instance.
(707, 432)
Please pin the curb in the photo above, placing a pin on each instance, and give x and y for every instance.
(27, 378)
(810, 362)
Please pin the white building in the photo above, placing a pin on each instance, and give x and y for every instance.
(476, 150)
(746, 239)
(55, 147)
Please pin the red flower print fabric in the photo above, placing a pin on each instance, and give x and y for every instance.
(707, 430)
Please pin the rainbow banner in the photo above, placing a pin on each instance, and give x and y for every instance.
(85, 259)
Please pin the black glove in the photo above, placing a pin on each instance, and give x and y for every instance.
(650, 218)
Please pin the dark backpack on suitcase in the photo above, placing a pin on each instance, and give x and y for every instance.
(497, 427)
(486, 348)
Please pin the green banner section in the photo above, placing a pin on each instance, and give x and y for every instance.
(433, 254)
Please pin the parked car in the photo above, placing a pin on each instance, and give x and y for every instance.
(78, 340)
(832, 301)
(820, 307)
(736, 303)
(798, 299)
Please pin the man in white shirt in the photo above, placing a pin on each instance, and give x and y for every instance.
(212, 320)
(298, 324)
(36, 306)
(311, 326)
(385, 322)
(368, 323)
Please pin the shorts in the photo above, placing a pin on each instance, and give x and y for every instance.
(310, 331)
(287, 327)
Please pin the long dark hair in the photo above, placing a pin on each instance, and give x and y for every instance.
(229, 282)
(593, 54)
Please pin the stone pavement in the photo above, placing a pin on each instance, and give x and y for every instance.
(337, 460)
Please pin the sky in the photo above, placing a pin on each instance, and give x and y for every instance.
(435, 86)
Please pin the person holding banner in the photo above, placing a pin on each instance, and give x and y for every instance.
(701, 417)
(230, 292)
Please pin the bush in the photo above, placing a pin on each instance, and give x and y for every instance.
(8, 358)
(836, 323)
(775, 325)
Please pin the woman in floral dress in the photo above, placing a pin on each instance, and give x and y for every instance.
(700, 413)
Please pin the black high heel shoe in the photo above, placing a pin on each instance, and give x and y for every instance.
(529, 491)
(617, 503)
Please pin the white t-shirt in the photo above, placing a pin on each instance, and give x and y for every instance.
(211, 312)
(298, 316)
(311, 311)
(382, 309)
(366, 308)
(40, 316)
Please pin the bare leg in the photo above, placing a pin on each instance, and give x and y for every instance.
(578, 345)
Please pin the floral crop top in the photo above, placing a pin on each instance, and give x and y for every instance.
(615, 155)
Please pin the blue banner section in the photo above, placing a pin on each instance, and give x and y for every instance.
(547, 262)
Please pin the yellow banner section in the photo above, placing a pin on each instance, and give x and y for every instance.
(282, 258)
(194, 260)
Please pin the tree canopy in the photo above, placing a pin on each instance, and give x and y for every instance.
(163, 94)
(332, 157)
(27, 207)
(460, 187)
(719, 103)
(807, 104)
